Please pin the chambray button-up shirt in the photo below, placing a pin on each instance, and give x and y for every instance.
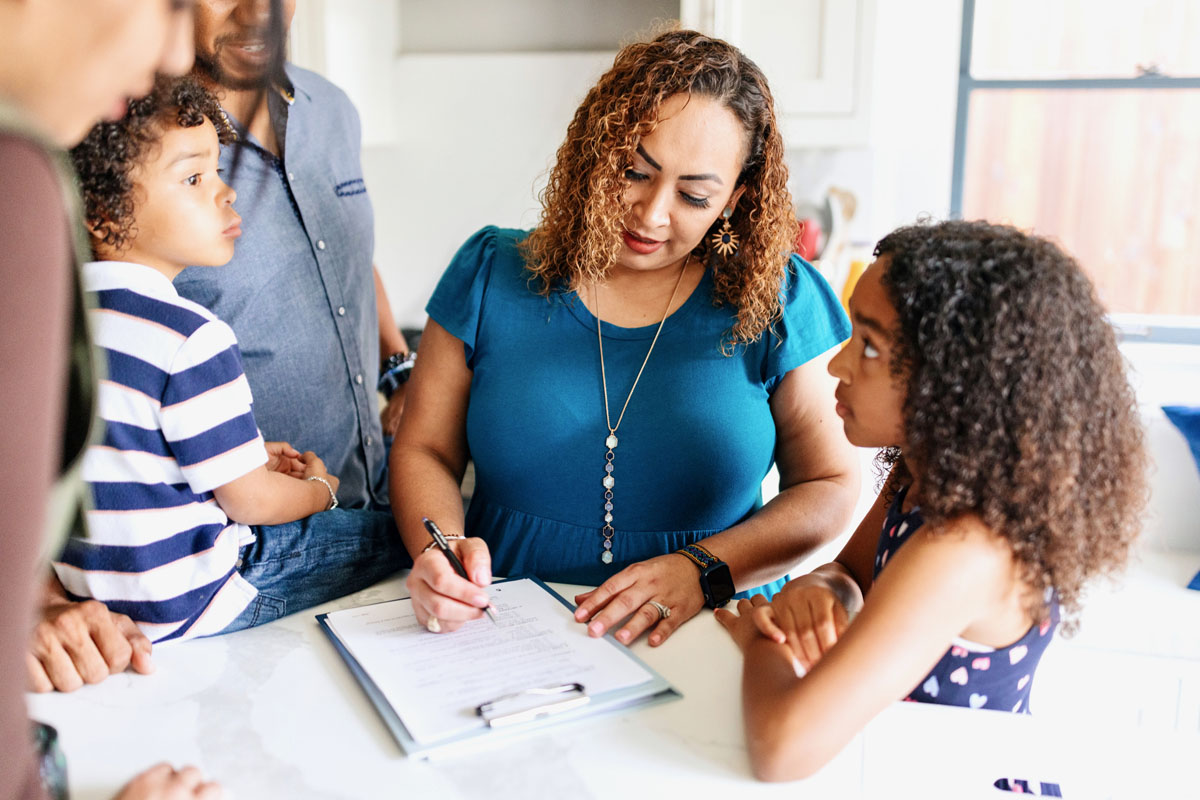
(300, 293)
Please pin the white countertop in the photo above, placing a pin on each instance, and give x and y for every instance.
(273, 712)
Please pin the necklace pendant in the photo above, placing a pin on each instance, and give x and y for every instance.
(606, 556)
(611, 441)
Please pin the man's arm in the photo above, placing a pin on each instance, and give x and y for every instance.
(391, 341)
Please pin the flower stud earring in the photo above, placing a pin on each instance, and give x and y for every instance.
(725, 241)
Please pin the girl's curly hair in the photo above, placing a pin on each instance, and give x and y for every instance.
(105, 159)
(579, 235)
(1018, 407)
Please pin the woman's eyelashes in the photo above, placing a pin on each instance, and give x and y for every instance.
(634, 176)
(192, 180)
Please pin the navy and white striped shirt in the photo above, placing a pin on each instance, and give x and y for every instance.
(178, 424)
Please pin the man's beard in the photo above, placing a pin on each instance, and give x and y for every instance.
(209, 64)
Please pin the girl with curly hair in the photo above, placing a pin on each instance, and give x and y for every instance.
(982, 363)
(624, 375)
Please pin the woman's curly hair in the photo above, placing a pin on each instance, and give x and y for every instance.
(579, 235)
(1018, 406)
(106, 158)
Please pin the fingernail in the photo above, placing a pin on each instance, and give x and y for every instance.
(623, 636)
(481, 600)
(655, 639)
(580, 614)
(482, 578)
(596, 629)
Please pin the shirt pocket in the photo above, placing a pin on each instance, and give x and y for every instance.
(350, 188)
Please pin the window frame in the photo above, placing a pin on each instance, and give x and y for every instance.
(1158, 328)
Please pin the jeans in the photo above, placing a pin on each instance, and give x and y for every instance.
(302, 564)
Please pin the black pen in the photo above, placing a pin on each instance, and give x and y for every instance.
(440, 540)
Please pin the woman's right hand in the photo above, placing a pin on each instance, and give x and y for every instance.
(164, 782)
(807, 616)
(443, 600)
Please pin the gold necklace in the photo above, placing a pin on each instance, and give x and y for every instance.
(611, 441)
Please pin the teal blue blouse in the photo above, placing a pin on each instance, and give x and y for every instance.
(696, 442)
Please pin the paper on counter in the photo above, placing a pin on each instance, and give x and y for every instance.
(435, 681)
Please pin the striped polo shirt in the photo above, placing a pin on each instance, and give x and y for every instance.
(178, 424)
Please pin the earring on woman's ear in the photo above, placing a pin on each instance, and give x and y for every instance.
(725, 241)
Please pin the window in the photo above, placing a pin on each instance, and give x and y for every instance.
(1080, 120)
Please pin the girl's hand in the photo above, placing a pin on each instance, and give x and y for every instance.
(807, 616)
(443, 600)
(671, 580)
(743, 626)
(282, 457)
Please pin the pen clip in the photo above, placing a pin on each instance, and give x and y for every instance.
(530, 704)
(439, 538)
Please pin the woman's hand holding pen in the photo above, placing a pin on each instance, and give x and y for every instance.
(438, 592)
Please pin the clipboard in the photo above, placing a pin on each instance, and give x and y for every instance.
(513, 714)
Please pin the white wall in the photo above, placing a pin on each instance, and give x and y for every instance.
(476, 134)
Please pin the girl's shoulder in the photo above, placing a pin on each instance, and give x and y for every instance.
(967, 548)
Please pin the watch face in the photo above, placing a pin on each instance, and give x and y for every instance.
(720, 584)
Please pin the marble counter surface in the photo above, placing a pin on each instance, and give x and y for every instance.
(272, 712)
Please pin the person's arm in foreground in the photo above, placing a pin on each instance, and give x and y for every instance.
(930, 592)
(427, 463)
(818, 485)
(34, 268)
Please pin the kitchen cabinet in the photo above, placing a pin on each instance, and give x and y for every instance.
(816, 53)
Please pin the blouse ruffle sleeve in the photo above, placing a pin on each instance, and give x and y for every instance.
(813, 322)
(458, 299)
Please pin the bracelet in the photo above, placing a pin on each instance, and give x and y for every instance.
(432, 545)
(698, 555)
(395, 372)
(333, 503)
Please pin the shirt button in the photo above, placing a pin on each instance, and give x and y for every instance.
(291, 176)
(358, 378)
(341, 311)
(320, 244)
(370, 441)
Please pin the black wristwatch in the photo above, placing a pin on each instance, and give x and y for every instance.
(716, 581)
(395, 372)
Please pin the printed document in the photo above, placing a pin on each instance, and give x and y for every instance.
(434, 682)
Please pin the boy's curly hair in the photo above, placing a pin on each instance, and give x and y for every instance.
(579, 235)
(1018, 407)
(105, 159)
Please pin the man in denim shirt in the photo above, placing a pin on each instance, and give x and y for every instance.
(301, 292)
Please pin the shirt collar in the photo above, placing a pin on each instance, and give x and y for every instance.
(99, 276)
